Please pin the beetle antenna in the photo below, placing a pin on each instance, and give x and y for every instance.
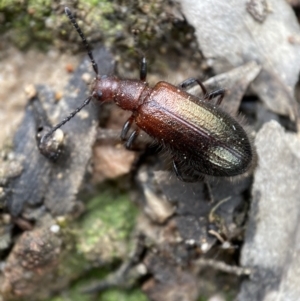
(84, 41)
(71, 115)
(44, 142)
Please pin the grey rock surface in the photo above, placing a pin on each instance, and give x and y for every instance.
(272, 238)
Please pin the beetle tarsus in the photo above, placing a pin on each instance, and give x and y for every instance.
(126, 127)
(220, 92)
(143, 69)
(192, 81)
(132, 138)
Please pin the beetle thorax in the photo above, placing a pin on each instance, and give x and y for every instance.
(127, 94)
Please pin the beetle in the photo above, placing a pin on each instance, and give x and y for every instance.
(201, 137)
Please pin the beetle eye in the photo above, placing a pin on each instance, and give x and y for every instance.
(99, 94)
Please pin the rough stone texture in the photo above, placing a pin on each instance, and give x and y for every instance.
(32, 264)
(56, 184)
(273, 234)
(229, 35)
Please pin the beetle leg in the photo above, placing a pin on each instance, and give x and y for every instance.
(213, 94)
(183, 176)
(190, 82)
(207, 96)
(143, 64)
(143, 69)
(126, 127)
(177, 171)
(209, 191)
(132, 138)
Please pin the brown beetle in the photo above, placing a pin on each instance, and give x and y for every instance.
(201, 137)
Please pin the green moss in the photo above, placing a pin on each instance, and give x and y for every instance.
(42, 22)
(230, 296)
(104, 231)
(72, 265)
(24, 22)
(102, 235)
(109, 295)
(118, 295)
